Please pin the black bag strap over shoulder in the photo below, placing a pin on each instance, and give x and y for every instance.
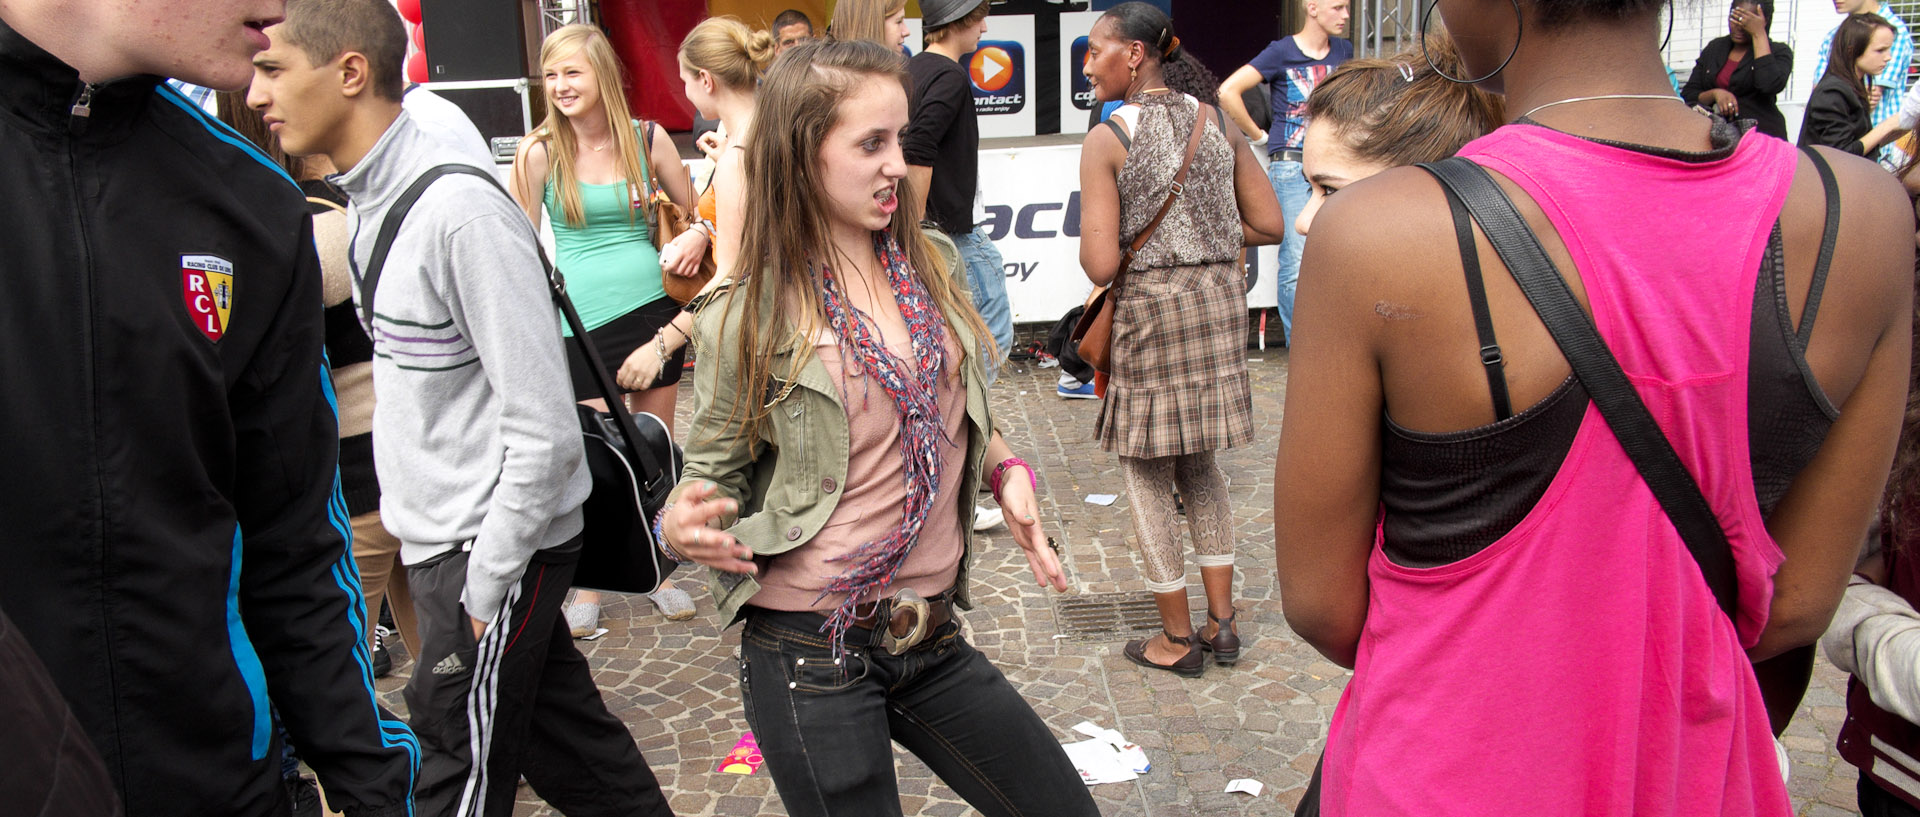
(1599, 372)
(383, 243)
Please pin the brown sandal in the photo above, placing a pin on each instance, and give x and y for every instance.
(1225, 643)
(1189, 665)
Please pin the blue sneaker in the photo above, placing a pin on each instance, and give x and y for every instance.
(1083, 392)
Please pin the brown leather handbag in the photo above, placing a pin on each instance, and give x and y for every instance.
(1093, 335)
(666, 220)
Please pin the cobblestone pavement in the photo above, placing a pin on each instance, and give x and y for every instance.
(1265, 718)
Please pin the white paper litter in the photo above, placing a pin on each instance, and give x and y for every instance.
(1098, 762)
(1102, 499)
(1245, 784)
(1131, 756)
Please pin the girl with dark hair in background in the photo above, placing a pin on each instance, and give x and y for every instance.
(1528, 631)
(840, 430)
(1373, 114)
(1178, 390)
(1741, 74)
(1837, 115)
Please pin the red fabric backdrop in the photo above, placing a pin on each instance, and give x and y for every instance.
(646, 34)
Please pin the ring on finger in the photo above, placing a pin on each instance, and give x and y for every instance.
(696, 537)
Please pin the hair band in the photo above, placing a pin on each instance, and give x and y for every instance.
(1171, 47)
(1406, 70)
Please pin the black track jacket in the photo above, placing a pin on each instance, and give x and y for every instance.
(172, 540)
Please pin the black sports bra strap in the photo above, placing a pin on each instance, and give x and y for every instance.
(1490, 356)
(1829, 237)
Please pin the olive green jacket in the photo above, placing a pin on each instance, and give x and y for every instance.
(788, 480)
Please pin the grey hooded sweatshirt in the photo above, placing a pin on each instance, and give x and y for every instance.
(476, 441)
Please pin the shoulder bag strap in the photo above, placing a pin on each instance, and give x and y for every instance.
(646, 160)
(1598, 371)
(1829, 238)
(1179, 186)
(390, 227)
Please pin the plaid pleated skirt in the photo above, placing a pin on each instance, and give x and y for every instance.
(1179, 379)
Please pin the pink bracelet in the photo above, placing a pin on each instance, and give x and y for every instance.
(993, 479)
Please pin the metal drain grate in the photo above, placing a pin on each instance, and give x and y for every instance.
(1103, 615)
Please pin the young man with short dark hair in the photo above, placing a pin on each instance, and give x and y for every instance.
(1293, 65)
(476, 441)
(173, 549)
(791, 28)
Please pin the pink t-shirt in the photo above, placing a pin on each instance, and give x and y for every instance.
(872, 504)
(1579, 665)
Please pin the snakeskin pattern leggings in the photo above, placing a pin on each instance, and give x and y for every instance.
(1150, 484)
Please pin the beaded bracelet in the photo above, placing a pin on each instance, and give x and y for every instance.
(660, 536)
(993, 479)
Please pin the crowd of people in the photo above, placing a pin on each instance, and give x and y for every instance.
(214, 507)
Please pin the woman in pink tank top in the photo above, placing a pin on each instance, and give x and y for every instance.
(1527, 630)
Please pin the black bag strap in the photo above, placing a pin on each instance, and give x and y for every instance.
(1490, 357)
(1598, 370)
(383, 243)
(1829, 238)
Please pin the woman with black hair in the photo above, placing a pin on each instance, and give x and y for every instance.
(1837, 114)
(1741, 74)
(1178, 390)
(1529, 631)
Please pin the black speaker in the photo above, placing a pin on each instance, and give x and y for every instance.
(473, 39)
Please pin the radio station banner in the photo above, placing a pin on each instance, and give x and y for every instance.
(1002, 74)
(1030, 207)
(1076, 101)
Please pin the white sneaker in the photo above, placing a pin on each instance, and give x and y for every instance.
(986, 518)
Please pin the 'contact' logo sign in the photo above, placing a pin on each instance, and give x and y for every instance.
(998, 69)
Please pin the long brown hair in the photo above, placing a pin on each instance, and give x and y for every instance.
(1850, 41)
(787, 225)
(1386, 118)
(558, 133)
(864, 20)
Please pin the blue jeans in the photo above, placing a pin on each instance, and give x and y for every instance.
(987, 281)
(1290, 185)
(826, 729)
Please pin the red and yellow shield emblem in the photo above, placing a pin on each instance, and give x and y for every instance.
(206, 284)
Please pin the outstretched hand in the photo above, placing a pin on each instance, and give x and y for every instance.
(1022, 508)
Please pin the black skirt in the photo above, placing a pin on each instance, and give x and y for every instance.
(618, 339)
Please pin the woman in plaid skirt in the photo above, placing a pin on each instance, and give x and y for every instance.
(1178, 389)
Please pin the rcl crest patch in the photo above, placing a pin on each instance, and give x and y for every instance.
(206, 283)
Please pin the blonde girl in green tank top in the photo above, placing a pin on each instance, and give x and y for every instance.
(584, 166)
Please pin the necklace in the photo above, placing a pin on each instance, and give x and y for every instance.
(1539, 108)
(600, 147)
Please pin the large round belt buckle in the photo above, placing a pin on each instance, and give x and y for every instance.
(906, 603)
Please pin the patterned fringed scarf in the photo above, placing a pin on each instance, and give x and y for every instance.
(911, 385)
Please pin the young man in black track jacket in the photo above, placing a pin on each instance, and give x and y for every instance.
(174, 545)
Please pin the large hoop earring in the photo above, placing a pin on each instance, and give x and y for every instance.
(1426, 20)
(1671, 13)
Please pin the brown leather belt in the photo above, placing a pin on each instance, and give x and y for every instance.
(902, 613)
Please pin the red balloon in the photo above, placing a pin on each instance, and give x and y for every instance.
(417, 67)
(409, 10)
(420, 37)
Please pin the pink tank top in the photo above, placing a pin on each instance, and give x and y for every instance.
(1579, 665)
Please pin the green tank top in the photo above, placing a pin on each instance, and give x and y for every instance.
(609, 262)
